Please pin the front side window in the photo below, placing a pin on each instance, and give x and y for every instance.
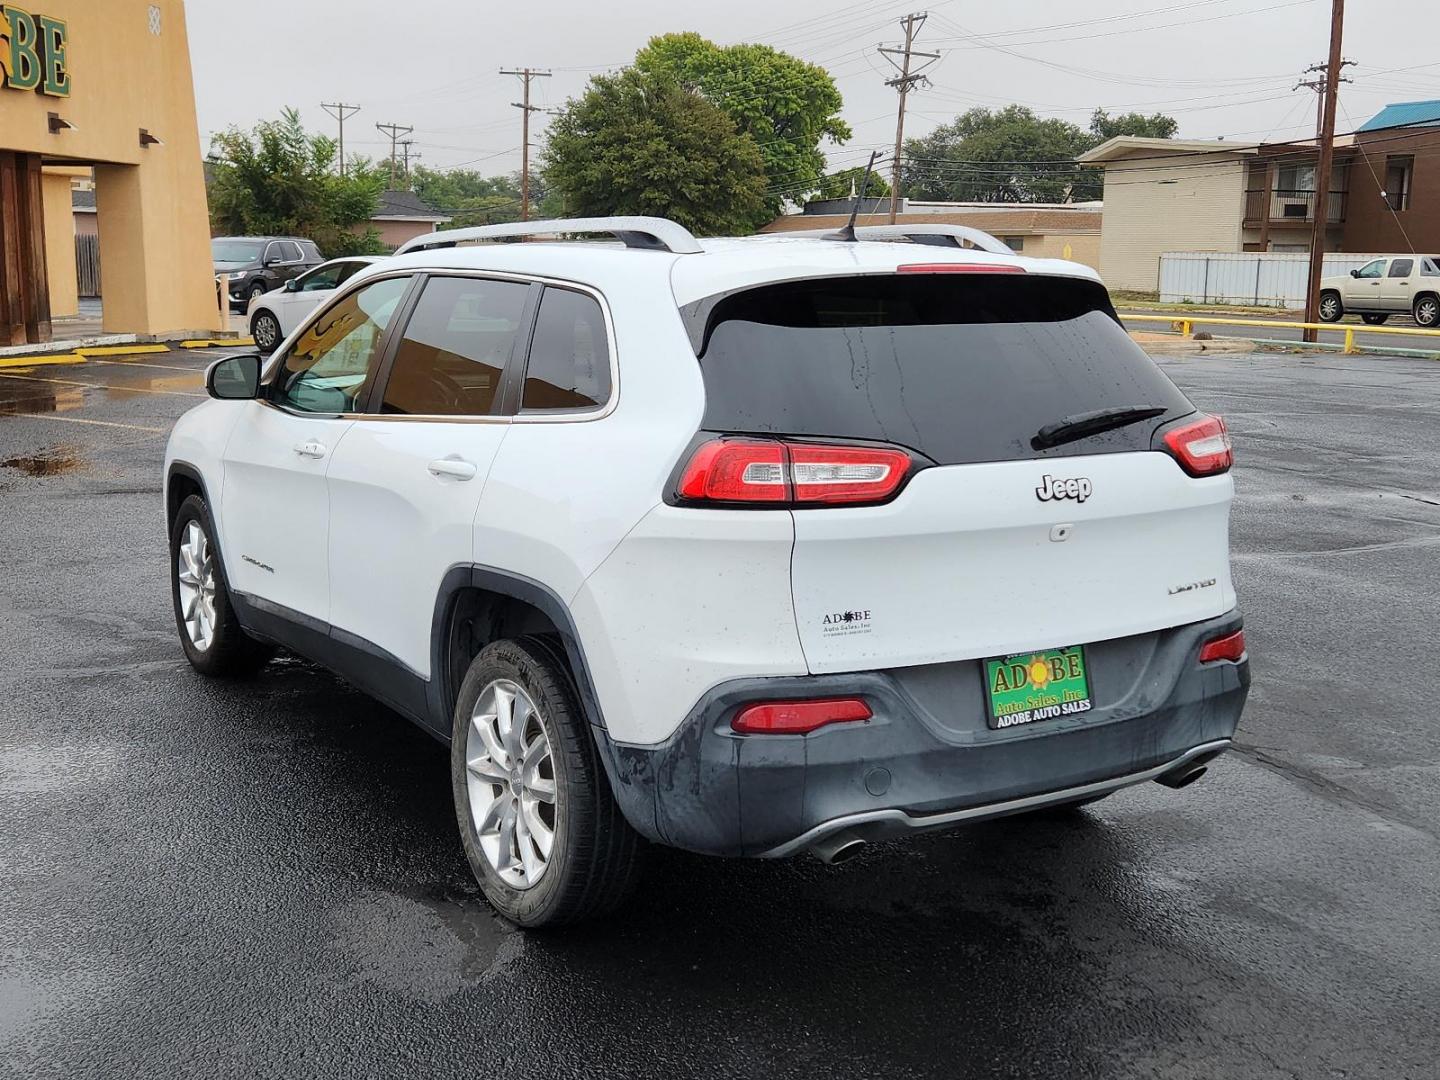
(326, 369)
(1401, 267)
(455, 347)
(289, 251)
(569, 355)
(1374, 268)
(326, 277)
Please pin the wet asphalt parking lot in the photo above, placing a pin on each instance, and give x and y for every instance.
(264, 878)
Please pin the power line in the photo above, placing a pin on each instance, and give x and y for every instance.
(394, 131)
(904, 82)
(341, 112)
(526, 75)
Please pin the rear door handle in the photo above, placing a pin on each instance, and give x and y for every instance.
(311, 448)
(455, 468)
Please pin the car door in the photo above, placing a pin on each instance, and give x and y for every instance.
(1397, 286)
(273, 510)
(405, 482)
(1362, 291)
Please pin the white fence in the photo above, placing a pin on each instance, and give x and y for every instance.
(1268, 279)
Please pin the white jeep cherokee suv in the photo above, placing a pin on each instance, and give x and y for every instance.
(745, 546)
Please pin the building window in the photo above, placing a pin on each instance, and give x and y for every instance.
(1014, 243)
(1399, 173)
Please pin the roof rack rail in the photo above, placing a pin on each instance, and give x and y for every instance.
(649, 233)
(937, 235)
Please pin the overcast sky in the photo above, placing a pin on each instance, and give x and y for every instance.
(1221, 67)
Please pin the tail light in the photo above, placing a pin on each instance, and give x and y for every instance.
(798, 717)
(1202, 446)
(796, 474)
(1229, 647)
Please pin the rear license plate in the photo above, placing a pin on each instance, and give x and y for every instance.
(1029, 687)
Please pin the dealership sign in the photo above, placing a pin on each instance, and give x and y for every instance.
(32, 52)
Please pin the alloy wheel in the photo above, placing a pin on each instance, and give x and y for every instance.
(1329, 307)
(1427, 312)
(510, 777)
(195, 572)
(265, 331)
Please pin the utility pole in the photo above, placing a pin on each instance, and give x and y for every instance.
(526, 76)
(1318, 85)
(406, 144)
(904, 82)
(1326, 166)
(341, 112)
(394, 131)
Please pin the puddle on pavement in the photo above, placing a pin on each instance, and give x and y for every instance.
(52, 461)
(16, 399)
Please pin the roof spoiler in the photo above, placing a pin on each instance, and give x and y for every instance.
(646, 233)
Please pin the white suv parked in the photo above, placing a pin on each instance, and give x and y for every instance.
(1389, 285)
(745, 546)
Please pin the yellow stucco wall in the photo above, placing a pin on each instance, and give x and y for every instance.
(153, 219)
(59, 244)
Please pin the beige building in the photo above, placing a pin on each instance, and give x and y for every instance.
(1167, 195)
(106, 86)
(402, 216)
(1043, 232)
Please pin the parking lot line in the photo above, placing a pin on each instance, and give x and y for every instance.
(82, 420)
(103, 386)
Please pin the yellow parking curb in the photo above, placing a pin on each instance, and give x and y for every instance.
(205, 343)
(122, 350)
(40, 361)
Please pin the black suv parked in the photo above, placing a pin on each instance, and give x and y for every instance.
(257, 264)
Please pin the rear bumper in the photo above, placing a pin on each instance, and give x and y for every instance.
(926, 760)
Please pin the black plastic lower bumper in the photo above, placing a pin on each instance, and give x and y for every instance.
(927, 752)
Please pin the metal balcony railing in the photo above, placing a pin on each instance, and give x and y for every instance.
(1291, 205)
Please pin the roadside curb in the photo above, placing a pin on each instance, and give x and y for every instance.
(1173, 345)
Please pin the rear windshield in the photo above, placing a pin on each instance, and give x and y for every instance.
(962, 368)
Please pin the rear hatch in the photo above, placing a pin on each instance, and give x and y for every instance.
(1012, 534)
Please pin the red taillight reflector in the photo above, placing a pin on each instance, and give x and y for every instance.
(1202, 447)
(959, 268)
(1229, 647)
(798, 717)
(752, 471)
(735, 470)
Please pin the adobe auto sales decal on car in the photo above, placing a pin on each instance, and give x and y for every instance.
(845, 623)
(1028, 687)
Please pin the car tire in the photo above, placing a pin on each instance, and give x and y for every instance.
(257, 289)
(1426, 311)
(265, 330)
(501, 777)
(1331, 309)
(1373, 320)
(211, 635)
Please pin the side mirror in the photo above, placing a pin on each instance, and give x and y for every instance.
(292, 285)
(234, 378)
(1354, 273)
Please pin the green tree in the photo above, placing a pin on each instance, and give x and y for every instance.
(471, 198)
(837, 185)
(277, 179)
(1012, 155)
(640, 143)
(1004, 155)
(1155, 126)
(786, 105)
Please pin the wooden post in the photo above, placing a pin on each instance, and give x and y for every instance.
(24, 289)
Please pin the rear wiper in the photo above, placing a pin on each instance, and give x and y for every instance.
(1092, 423)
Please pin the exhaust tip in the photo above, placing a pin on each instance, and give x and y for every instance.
(836, 849)
(1182, 778)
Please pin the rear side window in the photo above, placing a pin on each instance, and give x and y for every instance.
(569, 355)
(962, 368)
(455, 347)
(1401, 267)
